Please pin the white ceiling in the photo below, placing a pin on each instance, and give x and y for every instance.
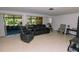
(43, 10)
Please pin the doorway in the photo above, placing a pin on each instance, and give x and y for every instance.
(12, 24)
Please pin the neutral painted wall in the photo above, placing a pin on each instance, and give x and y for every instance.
(2, 31)
(68, 19)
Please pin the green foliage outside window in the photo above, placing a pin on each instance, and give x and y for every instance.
(12, 20)
(33, 20)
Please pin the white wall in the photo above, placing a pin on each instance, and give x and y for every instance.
(68, 19)
(45, 20)
(2, 31)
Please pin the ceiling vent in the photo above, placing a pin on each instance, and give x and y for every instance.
(50, 9)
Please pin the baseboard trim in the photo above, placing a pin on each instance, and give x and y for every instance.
(2, 36)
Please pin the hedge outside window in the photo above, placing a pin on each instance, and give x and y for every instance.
(12, 20)
(34, 20)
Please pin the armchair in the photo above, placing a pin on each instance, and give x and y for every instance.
(26, 35)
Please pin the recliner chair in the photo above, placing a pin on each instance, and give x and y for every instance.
(26, 35)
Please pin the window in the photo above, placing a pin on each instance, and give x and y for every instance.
(33, 20)
(12, 20)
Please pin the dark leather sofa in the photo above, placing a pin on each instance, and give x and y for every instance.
(39, 29)
(10, 28)
(27, 35)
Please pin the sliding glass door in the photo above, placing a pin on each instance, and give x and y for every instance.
(12, 23)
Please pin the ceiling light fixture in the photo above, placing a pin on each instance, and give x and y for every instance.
(50, 9)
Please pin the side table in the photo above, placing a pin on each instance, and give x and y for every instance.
(74, 45)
